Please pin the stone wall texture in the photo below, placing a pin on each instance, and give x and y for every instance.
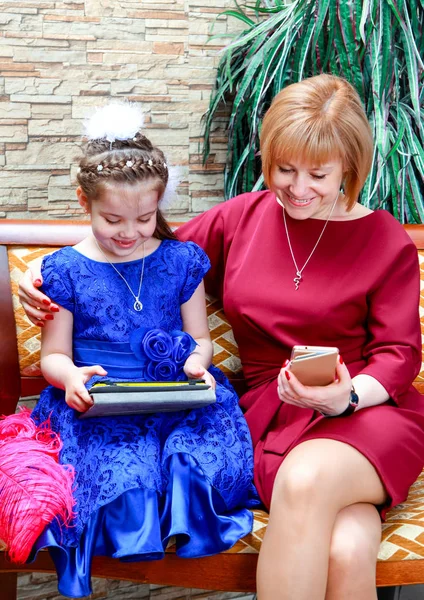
(61, 59)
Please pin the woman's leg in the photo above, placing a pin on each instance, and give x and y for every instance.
(317, 480)
(354, 546)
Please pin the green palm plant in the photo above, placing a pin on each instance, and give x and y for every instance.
(377, 45)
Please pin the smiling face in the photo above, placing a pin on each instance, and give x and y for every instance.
(308, 190)
(310, 126)
(123, 218)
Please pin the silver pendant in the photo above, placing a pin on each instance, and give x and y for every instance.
(297, 280)
(138, 305)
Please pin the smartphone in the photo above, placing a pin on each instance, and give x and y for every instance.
(314, 365)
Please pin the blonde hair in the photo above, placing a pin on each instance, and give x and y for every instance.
(318, 120)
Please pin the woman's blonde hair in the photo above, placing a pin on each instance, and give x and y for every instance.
(315, 121)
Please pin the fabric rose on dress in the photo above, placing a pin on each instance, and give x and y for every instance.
(163, 354)
(183, 346)
(155, 344)
(165, 370)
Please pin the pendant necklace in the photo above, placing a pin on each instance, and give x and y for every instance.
(138, 306)
(298, 279)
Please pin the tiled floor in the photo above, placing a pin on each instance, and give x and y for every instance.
(407, 592)
(38, 586)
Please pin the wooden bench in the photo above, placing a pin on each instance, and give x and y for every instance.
(401, 558)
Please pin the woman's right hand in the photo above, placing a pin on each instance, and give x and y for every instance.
(76, 394)
(37, 305)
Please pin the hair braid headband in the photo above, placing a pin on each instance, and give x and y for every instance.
(139, 165)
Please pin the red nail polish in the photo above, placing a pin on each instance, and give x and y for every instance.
(54, 308)
(40, 323)
(49, 317)
(287, 374)
(285, 363)
(46, 302)
(37, 282)
(341, 360)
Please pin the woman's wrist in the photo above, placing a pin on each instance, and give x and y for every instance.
(353, 402)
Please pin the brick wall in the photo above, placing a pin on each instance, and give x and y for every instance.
(59, 59)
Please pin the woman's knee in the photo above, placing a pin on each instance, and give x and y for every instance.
(309, 475)
(298, 483)
(355, 540)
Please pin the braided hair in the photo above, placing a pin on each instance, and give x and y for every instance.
(124, 161)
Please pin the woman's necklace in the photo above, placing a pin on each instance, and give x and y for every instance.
(138, 306)
(297, 280)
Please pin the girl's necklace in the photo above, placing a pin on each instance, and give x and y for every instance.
(138, 306)
(298, 279)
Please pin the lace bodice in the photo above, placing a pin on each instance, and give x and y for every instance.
(100, 301)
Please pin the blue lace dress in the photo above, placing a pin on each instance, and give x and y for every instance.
(141, 479)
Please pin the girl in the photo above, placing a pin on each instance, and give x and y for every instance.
(138, 479)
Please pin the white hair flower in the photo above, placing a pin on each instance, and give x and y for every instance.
(129, 163)
(115, 121)
(170, 195)
(100, 167)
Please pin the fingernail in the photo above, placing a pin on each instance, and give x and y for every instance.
(49, 317)
(287, 374)
(285, 363)
(46, 302)
(37, 282)
(341, 360)
(40, 323)
(54, 308)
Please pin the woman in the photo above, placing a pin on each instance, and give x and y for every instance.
(304, 263)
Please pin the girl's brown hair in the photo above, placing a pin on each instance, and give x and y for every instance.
(315, 121)
(124, 161)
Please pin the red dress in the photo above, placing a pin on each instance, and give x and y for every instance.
(360, 292)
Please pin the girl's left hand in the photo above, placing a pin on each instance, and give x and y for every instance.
(194, 370)
(330, 400)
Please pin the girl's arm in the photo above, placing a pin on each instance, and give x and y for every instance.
(57, 365)
(195, 323)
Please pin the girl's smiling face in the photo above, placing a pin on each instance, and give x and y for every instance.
(123, 218)
(305, 190)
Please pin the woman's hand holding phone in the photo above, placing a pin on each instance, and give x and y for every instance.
(330, 400)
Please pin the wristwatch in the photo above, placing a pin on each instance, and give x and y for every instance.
(353, 403)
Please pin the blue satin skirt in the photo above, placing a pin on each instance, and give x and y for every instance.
(138, 524)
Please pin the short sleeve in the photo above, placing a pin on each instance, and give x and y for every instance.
(198, 264)
(57, 283)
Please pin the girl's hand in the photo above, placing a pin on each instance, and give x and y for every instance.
(37, 305)
(194, 370)
(76, 394)
(330, 400)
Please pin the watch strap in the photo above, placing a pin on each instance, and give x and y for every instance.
(353, 404)
(351, 407)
